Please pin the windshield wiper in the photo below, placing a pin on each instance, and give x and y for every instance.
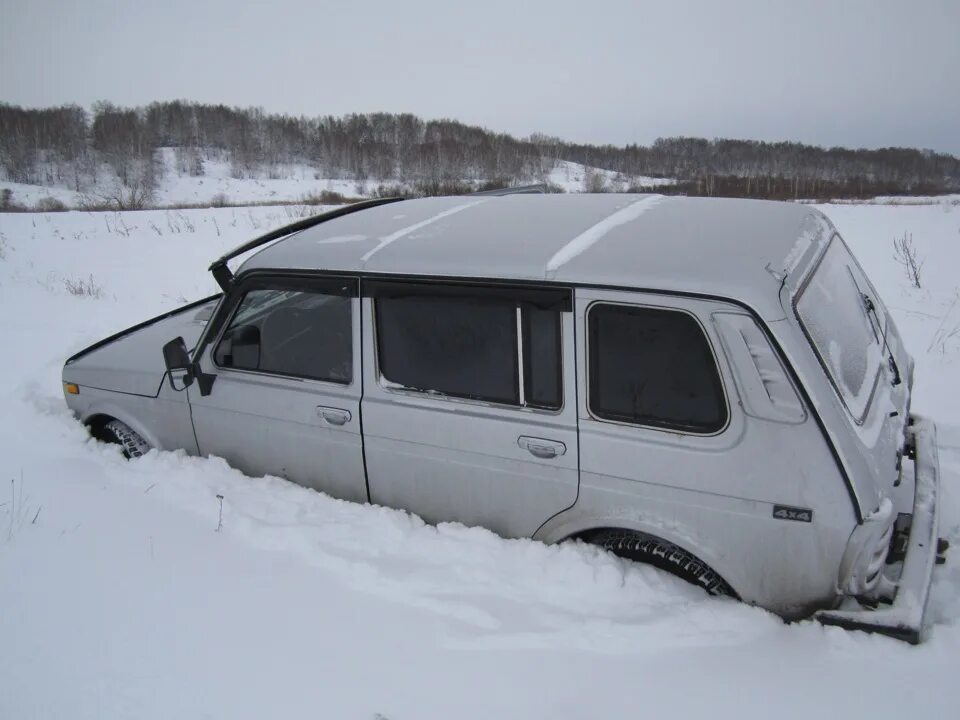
(872, 308)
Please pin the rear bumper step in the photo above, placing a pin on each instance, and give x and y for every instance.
(904, 618)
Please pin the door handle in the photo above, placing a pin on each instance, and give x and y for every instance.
(538, 447)
(334, 416)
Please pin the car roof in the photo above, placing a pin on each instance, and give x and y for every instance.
(739, 249)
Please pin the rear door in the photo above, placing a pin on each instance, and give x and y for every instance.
(469, 409)
(653, 407)
(286, 399)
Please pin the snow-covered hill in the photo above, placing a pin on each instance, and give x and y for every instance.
(284, 183)
(119, 597)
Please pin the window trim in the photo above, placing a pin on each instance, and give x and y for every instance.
(337, 286)
(552, 298)
(523, 325)
(667, 428)
(546, 297)
(518, 343)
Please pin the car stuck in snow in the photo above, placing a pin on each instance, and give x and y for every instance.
(712, 386)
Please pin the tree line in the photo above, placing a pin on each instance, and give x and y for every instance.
(69, 146)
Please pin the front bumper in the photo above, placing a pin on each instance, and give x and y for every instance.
(904, 617)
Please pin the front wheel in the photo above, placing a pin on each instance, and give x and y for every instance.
(126, 437)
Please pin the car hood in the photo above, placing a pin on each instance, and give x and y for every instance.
(132, 361)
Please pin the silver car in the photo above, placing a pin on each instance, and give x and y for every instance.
(711, 386)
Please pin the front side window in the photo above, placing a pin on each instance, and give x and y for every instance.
(653, 367)
(290, 332)
(479, 347)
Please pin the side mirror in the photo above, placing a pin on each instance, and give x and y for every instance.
(177, 360)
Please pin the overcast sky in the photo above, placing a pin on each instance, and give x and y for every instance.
(858, 73)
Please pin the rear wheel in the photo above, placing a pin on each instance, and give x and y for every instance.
(661, 554)
(126, 437)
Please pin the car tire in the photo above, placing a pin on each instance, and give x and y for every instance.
(651, 550)
(127, 438)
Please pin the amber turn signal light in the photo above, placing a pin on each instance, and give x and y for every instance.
(72, 388)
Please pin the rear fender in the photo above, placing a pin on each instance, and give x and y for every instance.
(559, 529)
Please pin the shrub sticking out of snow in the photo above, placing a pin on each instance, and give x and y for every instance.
(49, 204)
(83, 287)
(905, 253)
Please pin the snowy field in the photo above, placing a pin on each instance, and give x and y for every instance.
(120, 599)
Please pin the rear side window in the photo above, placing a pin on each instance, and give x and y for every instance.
(834, 309)
(452, 346)
(653, 367)
(290, 332)
(479, 347)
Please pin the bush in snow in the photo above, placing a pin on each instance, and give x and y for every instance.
(905, 253)
(49, 204)
(83, 288)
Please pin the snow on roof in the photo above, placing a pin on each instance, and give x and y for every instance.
(710, 246)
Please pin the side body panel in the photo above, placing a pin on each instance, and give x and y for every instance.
(715, 495)
(457, 460)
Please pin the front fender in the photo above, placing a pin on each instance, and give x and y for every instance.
(163, 421)
(117, 412)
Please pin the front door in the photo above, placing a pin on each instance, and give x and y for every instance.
(470, 409)
(286, 398)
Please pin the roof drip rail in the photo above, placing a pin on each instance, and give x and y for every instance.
(223, 275)
(518, 190)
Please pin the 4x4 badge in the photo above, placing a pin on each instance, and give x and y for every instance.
(782, 512)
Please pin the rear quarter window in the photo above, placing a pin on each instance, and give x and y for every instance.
(654, 367)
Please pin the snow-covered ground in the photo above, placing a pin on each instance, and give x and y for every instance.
(953, 200)
(119, 597)
(30, 195)
(215, 187)
(291, 183)
(572, 177)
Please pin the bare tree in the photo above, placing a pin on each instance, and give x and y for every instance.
(69, 146)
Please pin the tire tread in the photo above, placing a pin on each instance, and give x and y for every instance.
(127, 438)
(640, 547)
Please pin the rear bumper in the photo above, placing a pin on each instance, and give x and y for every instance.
(904, 617)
